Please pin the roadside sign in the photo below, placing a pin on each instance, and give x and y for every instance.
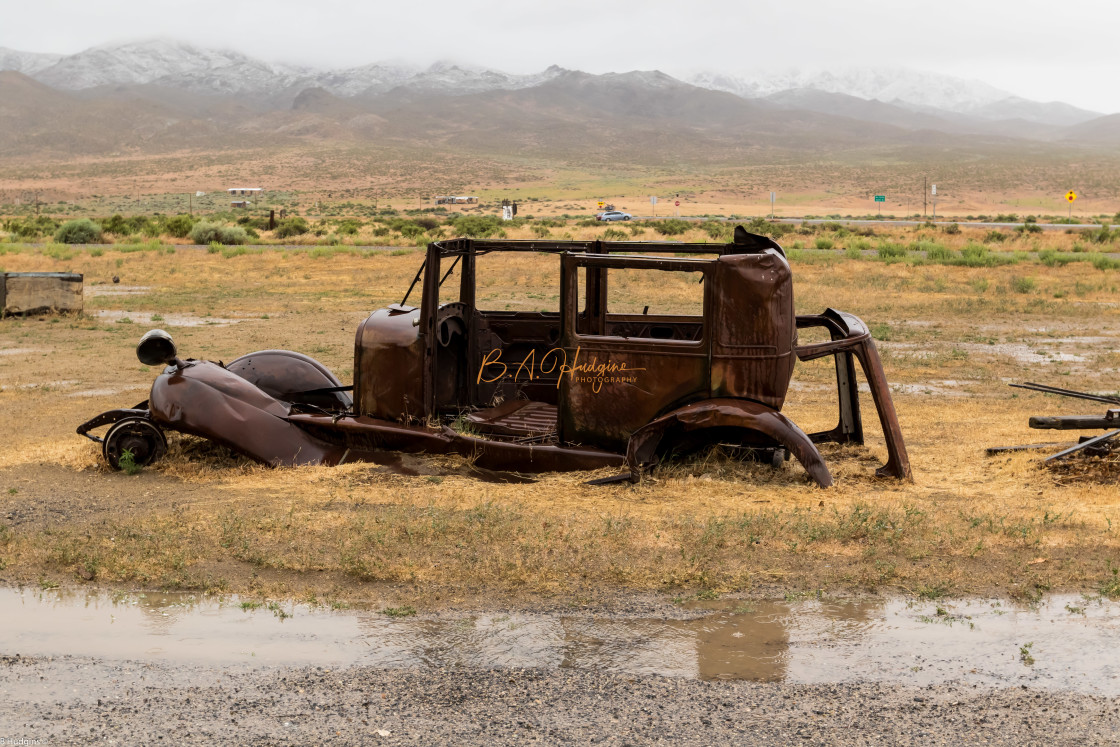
(1071, 195)
(652, 200)
(934, 191)
(880, 198)
(677, 203)
(600, 204)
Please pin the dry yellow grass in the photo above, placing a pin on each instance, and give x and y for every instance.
(201, 519)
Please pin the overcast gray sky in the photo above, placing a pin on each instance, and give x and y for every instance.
(1040, 49)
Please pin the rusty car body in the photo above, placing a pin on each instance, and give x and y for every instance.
(583, 387)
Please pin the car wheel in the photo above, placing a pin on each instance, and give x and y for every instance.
(140, 438)
(626, 217)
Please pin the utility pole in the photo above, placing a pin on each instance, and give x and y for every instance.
(924, 180)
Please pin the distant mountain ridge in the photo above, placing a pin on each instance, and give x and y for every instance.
(157, 95)
(176, 64)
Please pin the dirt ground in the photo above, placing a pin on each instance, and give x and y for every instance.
(434, 534)
(140, 703)
(951, 340)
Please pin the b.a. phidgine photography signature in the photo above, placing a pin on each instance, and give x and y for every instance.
(555, 360)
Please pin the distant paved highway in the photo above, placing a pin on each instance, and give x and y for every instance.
(865, 222)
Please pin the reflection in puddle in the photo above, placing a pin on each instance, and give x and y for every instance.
(1072, 639)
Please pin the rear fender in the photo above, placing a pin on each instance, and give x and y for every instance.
(292, 377)
(641, 451)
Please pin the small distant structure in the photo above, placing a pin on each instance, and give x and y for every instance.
(242, 192)
(455, 200)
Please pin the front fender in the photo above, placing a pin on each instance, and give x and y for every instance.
(641, 451)
(204, 399)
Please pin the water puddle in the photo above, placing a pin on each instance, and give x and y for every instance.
(943, 388)
(105, 392)
(144, 318)
(24, 351)
(1065, 643)
(116, 290)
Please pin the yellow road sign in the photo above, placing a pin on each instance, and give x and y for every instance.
(601, 202)
(1071, 195)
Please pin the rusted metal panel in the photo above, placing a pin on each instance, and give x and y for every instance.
(389, 365)
(756, 330)
(521, 418)
(204, 399)
(727, 416)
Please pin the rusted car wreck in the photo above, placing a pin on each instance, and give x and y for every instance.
(583, 387)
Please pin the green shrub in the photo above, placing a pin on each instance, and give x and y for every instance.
(939, 253)
(476, 226)
(978, 255)
(671, 226)
(1101, 262)
(952, 228)
(717, 230)
(764, 227)
(891, 250)
(1051, 258)
(295, 226)
(31, 228)
(58, 251)
(81, 231)
(179, 226)
(410, 229)
(823, 243)
(1102, 235)
(614, 234)
(209, 233)
(118, 225)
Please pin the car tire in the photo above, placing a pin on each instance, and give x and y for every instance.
(626, 217)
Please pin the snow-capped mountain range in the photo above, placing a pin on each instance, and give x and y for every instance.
(177, 65)
(918, 89)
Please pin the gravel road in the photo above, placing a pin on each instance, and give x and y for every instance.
(64, 700)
